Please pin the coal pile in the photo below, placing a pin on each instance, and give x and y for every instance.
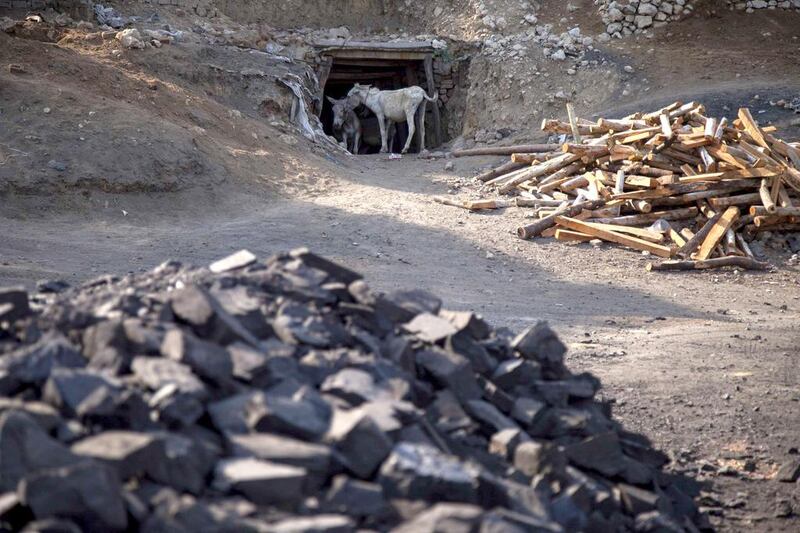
(286, 396)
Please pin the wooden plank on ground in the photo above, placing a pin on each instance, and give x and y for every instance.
(717, 232)
(567, 235)
(613, 236)
(752, 128)
(732, 174)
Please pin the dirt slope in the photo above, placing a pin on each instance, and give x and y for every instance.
(179, 117)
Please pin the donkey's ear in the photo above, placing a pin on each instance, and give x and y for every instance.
(331, 100)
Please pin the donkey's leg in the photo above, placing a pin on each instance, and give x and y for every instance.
(382, 126)
(410, 114)
(392, 128)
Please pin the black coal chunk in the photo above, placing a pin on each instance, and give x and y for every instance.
(13, 304)
(421, 472)
(87, 492)
(32, 364)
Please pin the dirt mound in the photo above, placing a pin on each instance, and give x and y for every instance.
(90, 115)
(289, 393)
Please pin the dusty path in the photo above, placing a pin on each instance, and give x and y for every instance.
(706, 364)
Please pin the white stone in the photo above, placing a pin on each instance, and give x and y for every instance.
(130, 38)
(614, 28)
(647, 9)
(615, 15)
(643, 21)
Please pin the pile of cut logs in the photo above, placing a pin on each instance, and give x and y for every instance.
(683, 186)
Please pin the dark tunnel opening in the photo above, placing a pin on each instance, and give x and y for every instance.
(385, 75)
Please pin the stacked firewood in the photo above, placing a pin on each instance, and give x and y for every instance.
(676, 183)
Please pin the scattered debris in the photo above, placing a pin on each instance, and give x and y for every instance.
(131, 38)
(373, 406)
(108, 16)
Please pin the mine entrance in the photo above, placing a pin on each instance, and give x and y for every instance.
(385, 66)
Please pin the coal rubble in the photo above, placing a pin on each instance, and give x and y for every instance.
(286, 396)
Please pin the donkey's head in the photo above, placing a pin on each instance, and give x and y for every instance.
(358, 94)
(340, 109)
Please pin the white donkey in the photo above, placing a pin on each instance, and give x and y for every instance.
(394, 106)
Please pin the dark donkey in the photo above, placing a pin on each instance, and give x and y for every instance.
(346, 125)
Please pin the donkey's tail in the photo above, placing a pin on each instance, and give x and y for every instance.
(428, 98)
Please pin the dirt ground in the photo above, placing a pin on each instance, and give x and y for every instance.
(706, 364)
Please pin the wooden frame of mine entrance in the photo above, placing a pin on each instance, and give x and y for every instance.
(396, 54)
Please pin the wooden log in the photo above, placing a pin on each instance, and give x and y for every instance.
(575, 182)
(760, 211)
(541, 169)
(783, 198)
(642, 206)
(771, 220)
(558, 126)
(506, 150)
(751, 127)
(695, 241)
(747, 263)
(646, 218)
(666, 127)
(710, 128)
(743, 220)
(637, 167)
(766, 197)
(720, 129)
(532, 230)
(613, 236)
(731, 174)
(566, 172)
(730, 243)
(744, 246)
(571, 236)
(573, 122)
(739, 199)
(717, 231)
(499, 171)
(667, 109)
(527, 159)
(620, 125)
(633, 136)
(676, 237)
(644, 234)
(509, 176)
(692, 197)
(728, 157)
(475, 205)
(705, 209)
(687, 188)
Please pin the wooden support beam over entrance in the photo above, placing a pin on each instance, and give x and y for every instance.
(324, 72)
(437, 121)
